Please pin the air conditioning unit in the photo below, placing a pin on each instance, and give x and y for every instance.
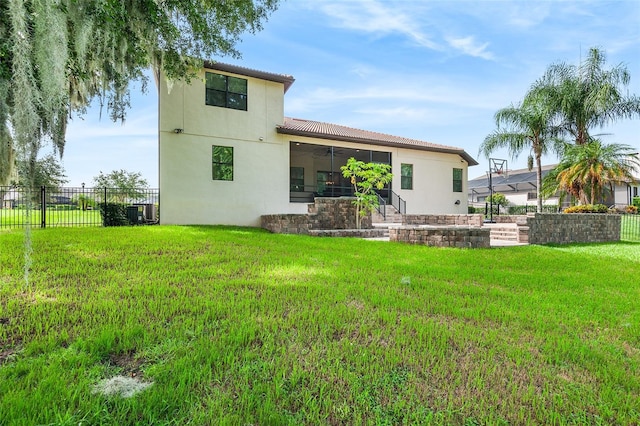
(150, 212)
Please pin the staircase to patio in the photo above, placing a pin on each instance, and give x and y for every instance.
(503, 232)
(392, 217)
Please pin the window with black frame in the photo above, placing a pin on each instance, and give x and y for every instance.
(406, 176)
(226, 91)
(222, 163)
(457, 180)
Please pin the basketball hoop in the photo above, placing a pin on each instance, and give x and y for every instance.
(498, 166)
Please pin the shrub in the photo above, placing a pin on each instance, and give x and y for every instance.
(498, 199)
(546, 208)
(636, 202)
(471, 210)
(631, 209)
(114, 214)
(587, 208)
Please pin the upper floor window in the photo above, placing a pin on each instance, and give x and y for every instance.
(226, 91)
(406, 176)
(457, 180)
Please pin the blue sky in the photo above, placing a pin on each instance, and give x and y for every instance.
(430, 70)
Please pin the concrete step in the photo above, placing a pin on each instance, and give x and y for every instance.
(390, 218)
(507, 233)
(385, 226)
(391, 215)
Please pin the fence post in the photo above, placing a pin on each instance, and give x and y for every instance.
(104, 216)
(43, 207)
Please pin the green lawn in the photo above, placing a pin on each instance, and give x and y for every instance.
(18, 217)
(238, 326)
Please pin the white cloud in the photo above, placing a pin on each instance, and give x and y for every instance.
(469, 46)
(418, 94)
(375, 17)
(372, 17)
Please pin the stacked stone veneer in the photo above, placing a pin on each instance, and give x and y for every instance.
(323, 214)
(357, 233)
(443, 219)
(563, 228)
(506, 218)
(442, 236)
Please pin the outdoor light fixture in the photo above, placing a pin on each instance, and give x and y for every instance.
(457, 202)
(178, 131)
(260, 138)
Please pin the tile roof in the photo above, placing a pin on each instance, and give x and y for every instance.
(285, 79)
(317, 129)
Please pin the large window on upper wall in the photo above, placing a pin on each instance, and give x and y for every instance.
(226, 91)
(222, 163)
(457, 180)
(406, 176)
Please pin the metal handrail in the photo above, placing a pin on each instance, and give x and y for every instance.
(382, 206)
(399, 204)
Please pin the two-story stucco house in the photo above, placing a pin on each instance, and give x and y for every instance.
(228, 155)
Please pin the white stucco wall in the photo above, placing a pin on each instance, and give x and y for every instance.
(432, 191)
(260, 186)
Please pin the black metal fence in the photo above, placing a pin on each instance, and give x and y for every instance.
(630, 227)
(49, 207)
(546, 208)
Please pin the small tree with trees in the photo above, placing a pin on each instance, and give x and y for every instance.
(366, 178)
(124, 185)
(47, 171)
(498, 199)
(84, 201)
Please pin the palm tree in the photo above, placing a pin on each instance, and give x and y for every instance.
(526, 126)
(587, 170)
(589, 96)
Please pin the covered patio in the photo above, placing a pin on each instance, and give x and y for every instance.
(315, 170)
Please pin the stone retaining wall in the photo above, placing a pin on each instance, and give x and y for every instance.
(563, 228)
(286, 223)
(324, 213)
(356, 233)
(442, 236)
(506, 218)
(442, 219)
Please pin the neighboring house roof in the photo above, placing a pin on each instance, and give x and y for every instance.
(317, 129)
(515, 180)
(285, 79)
